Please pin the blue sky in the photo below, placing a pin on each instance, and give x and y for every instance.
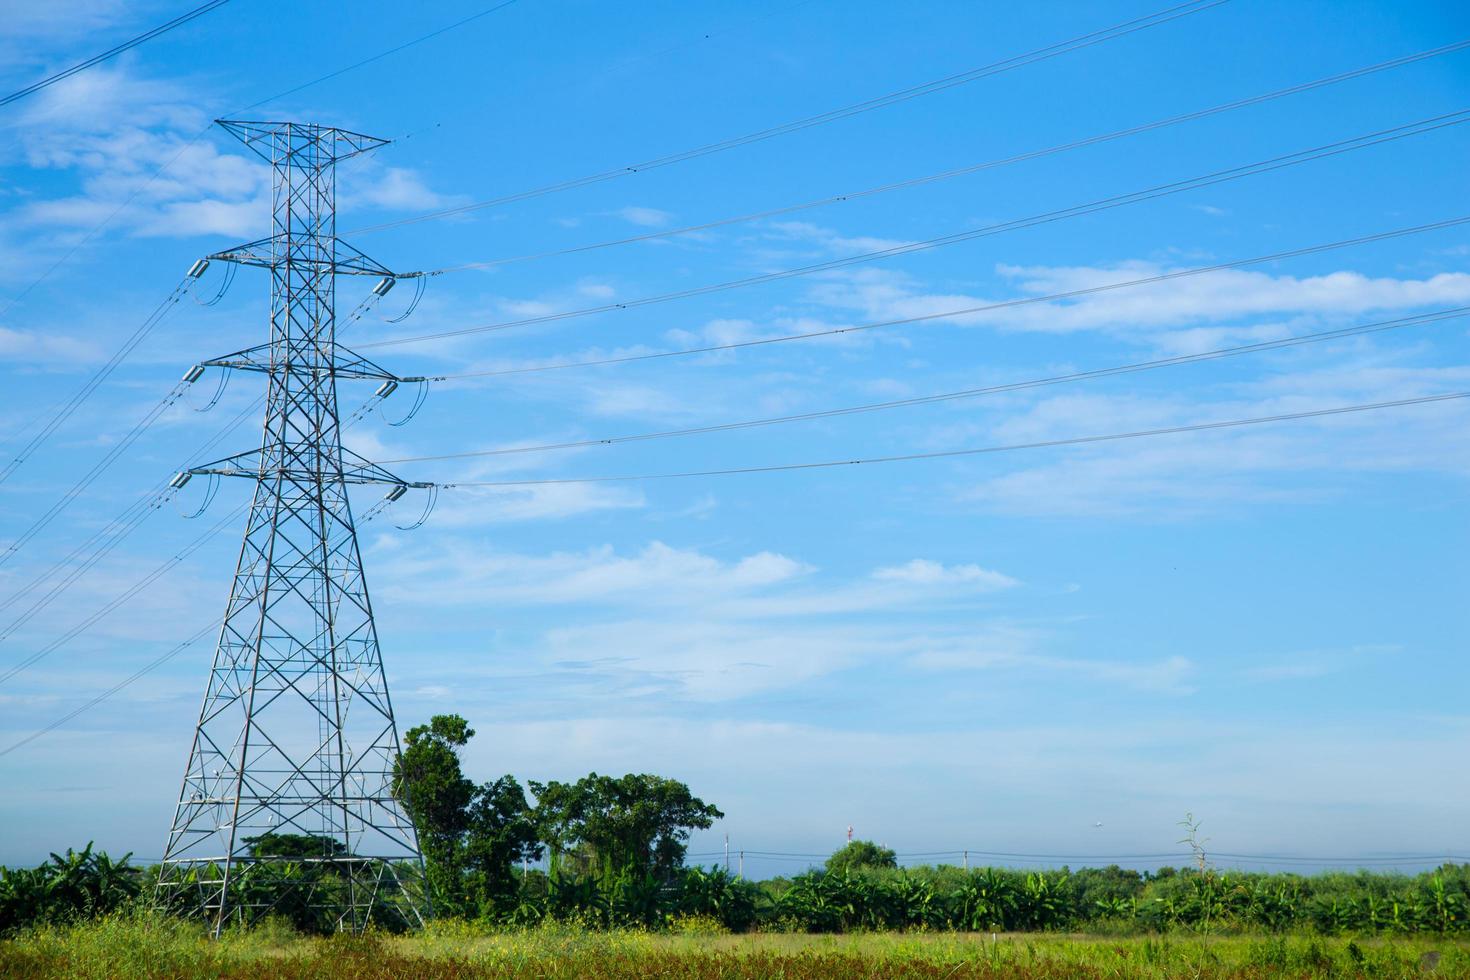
(1264, 626)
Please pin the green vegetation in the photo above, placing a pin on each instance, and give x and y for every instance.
(71, 886)
(84, 885)
(617, 900)
(860, 855)
(141, 946)
(616, 844)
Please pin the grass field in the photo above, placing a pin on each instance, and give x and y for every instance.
(128, 947)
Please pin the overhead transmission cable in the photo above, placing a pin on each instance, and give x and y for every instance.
(107, 538)
(973, 451)
(137, 587)
(1340, 410)
(167, 164)
(143, 671)
(382, 54)
(98, 614)
(971, 169)
(1094, 374)
(90, 553)
(127, 441)
(113, 52)
(111, 456)
(64, 412)
(1296, 158)
(1078, 43)
(982, 308)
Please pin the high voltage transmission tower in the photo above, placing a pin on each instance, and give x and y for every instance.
(287, 800)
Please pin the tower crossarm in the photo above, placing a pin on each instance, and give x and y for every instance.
(343, 363)
(304, 146)
(327, 253)
(255, 465)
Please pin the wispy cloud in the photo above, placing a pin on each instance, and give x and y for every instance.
(922, 571)
(645, 217)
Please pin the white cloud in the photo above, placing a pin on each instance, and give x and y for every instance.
(60, 18)
(829, 240)
(148, 161)
(645, 217)
(390, 188)
(1190, 473)
(34, 348)
(1154, 311)
(657, 575)
(921, 571)
(684, 624)
(490, 505)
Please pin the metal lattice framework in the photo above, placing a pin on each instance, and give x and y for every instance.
(296, 739)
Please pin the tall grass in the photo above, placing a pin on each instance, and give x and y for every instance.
(144, 945)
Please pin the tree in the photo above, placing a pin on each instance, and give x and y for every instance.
(295, 846)
(471, 837)
(428, 781)
(858, 854)
(501, 833)
(636, 825)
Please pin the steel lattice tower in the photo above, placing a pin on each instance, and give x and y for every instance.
(296, 735)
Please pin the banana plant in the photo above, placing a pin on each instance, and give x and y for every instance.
(987, 901)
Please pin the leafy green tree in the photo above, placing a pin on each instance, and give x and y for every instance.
(295, 846)
(859, 854)
(633, 825)
(431, 785)
(501, 832)
(472, 837)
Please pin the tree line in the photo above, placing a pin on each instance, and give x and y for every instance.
(615, 850)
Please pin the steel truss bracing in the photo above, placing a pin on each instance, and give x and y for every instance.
(287, 801)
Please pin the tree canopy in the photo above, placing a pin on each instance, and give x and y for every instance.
(636, 824)
(861, 854)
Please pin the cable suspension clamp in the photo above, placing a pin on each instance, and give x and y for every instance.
(396, 492)
(385, 389)
(384, 285)
(193, 374)
(197, 269)
(180, 478)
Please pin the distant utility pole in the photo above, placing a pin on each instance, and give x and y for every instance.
(296, 736)
(727, 854)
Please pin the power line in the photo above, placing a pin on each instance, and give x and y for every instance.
(94, 702)
(903, 95)
(105, 540)
(141, 672)
(133, 590)
(969, 310)
(148, 502)
(981, 450)
(379, 56)
(63, 413)
(974, 168)
(179, 21)
(98, 468)
(1080, 210)
(164, 167)
(1096, 373)
(128, 593)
